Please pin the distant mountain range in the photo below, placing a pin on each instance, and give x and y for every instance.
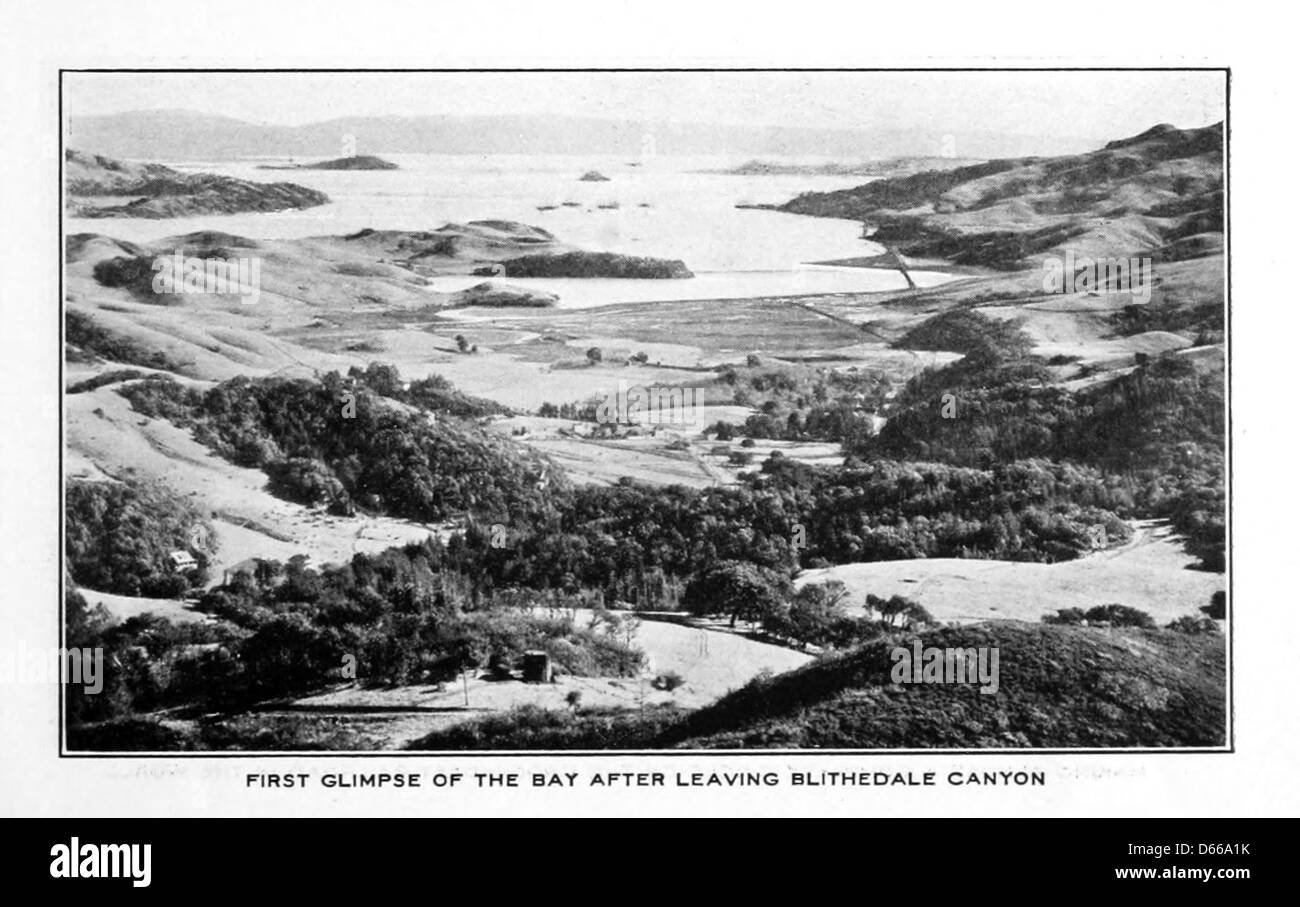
(186, 135)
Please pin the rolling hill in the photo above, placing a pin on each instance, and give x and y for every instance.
(1158, 193)
(1058, 687)
(99, 186)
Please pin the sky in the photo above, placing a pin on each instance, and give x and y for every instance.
(1088, 104)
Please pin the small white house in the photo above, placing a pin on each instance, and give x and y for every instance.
(183, 561)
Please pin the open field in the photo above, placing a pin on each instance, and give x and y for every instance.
(713, 663)
(1151, 573)
(124, 607)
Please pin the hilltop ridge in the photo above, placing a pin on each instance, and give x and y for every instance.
(156, 191)
(1159, 193)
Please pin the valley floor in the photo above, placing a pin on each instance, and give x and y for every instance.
(712, 663)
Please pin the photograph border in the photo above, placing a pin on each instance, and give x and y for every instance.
(1230, 713)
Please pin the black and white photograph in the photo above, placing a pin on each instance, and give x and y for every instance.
(644, 410)
(618, 410)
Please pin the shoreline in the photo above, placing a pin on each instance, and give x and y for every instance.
(607, 308)
(949, 276)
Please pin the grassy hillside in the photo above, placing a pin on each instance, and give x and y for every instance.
(1157, 191)
(155, 191)
(1059, 687)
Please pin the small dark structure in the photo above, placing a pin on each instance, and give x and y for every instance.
(537, 667)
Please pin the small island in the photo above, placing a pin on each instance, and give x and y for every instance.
(355, 162)
(889, 167)
(593, 176)
(590, 264)
(497, 295)
(500, 249)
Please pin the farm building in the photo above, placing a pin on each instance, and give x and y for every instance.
(537, 667)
